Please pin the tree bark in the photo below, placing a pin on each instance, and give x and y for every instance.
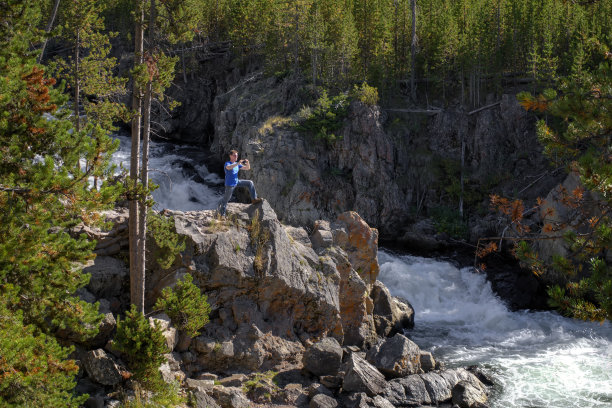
(136, 279)
(77, 84)
(48, 29)
(144, 169)
(413, 45)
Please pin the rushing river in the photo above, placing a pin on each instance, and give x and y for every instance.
(185, 184)
(537, 359)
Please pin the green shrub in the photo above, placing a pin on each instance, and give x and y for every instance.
(170, 244)
(324, 118)
(366, 94)
(163, 395)
(186, 305)
(449, 221)
(143, 344)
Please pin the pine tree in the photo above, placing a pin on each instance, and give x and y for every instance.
(44, 192)
(582, 143)
(167, 22)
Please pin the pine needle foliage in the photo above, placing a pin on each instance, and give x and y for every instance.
(34, 369)
(186, 305)
(45, 172)
(142, 342)
(170, 244)
(582, 143)
(324, 118)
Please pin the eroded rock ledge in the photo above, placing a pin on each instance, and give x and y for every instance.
(298, 318)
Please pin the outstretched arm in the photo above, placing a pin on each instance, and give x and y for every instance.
(246, 165)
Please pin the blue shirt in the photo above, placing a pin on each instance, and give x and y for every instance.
(231, 176)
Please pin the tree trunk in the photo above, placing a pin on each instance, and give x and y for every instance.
(77, 84)
(144, 177)
(296, 65)
(413, 45)
(183, 63)
(462, 173)
(144, 169)
(48, 29)
(136, 279)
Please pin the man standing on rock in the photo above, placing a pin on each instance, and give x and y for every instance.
(231, 181)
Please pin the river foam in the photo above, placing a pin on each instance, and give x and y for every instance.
(185, 184)
(538, 359)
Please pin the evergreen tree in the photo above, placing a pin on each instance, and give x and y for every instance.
(168, 22)
(582, 143)
(44, 192)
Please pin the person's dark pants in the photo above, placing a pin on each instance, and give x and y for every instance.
(229, 190)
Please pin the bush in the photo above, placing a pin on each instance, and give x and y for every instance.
(162, 395)
(366, 94)
(143, 344)
(325, 117)
(186, 305)
(170, 244)
(450, 222)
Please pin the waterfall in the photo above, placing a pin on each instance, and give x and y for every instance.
(538, 359)
(185, 184)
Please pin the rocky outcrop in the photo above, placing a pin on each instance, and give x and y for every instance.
(273, 288)
(102, 367)
(301, 305)
(303, 179)
(384, 165)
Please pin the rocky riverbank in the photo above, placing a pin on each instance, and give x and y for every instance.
(298, 318)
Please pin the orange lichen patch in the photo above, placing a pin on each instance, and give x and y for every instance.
(363, 246)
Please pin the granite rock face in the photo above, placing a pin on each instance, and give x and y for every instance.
(383, 164)
(273, 288)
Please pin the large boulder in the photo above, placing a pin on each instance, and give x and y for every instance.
(396, 357)
(361, 376)
(468, 394)
(391, 314)
(431, 388)
(102, 368)
(323, 357)
(230, 397)
(322, 401)
(407, 391)
(203, 400)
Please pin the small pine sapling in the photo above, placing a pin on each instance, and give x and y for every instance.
(143, 343)
(186, 305)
